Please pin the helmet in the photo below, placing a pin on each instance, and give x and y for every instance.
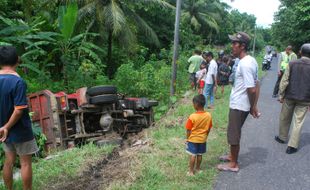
(221, 53)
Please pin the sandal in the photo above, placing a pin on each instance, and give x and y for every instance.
(226, 167)
(225, 158)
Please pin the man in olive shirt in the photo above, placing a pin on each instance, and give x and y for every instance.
(295, 96)
(194, 64)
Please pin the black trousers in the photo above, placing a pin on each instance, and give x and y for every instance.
(276, 87)
(193, 80)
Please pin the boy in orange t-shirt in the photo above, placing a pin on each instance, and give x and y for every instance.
(198, 127)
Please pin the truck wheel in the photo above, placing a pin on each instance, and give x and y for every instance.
(153, 103)
(104, 99)
(99, 90)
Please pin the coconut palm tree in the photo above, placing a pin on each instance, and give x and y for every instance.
(119, 21)
(200, 13)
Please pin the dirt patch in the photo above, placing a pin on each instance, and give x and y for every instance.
(90, 178)
(112, 169)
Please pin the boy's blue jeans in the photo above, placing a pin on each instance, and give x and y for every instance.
(208, 92)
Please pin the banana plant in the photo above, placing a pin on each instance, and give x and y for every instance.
(74, 48)
(45, 52)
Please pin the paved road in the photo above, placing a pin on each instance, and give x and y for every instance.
(264, 165)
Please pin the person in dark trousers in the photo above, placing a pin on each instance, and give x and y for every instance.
(295, 99)
(243, 99)
(15, 126)
(286, 56)
(223, 74)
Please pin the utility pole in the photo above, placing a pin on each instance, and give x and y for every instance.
(254, 41)
(175, 47)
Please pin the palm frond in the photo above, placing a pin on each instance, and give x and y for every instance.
(127, 39)
(210, 21)
(195, 23)
(89, 10)
(114, 17)
(155, 2)
(145, 28)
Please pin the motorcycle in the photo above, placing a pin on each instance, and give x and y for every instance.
(267, 62)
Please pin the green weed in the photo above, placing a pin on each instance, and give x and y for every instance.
(166, 166)
(67, 165)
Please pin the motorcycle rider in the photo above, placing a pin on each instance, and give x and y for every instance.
(267, 60)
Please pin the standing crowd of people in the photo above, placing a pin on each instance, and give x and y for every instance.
(241, 70)
(207, 74)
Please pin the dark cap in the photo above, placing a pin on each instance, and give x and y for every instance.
(305, 50)
(240, 37)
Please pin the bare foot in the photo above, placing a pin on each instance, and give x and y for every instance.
(231, 167)
(190, 173)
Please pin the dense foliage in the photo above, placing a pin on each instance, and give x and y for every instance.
(67, 44)
(292, 24)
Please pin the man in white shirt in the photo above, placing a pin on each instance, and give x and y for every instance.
(243, 98)
(210, 80)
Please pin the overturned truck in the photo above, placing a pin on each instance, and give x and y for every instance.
(89, 113)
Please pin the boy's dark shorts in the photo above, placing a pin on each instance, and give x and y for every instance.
(192, 79)
(196, 148)
(235, 123)
(24, 148)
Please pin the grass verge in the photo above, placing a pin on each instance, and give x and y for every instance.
(165, 166)
(65, 166)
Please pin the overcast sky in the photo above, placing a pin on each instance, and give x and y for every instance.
(262, 9)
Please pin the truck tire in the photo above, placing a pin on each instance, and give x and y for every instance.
(99, 90)
(104, 99)
(153, 103)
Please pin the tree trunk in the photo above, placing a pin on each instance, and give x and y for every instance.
(109, 58)
(175, 49)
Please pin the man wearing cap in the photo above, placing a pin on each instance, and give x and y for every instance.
(286, 56)
(295, 96)
(243, 98)
(210, 80)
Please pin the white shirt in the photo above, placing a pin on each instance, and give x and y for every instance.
(246, 77)
(200, 75)
(212, 70)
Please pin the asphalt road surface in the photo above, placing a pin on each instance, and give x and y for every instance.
(264, 165)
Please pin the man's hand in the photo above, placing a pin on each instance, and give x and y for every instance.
(3, 134)
(281, 100)
(254, 112)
